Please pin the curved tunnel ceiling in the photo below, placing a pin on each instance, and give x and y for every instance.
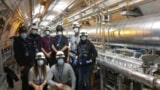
(43, 12)
(26, 12)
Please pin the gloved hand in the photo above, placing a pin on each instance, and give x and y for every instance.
(81, 61)
(88, 61)
(75, 62)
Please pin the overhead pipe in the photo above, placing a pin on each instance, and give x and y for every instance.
(97, 3)
(71, 4)
(111, 8)
(121, 6)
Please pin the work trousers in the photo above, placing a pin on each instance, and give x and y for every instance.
(84, 77)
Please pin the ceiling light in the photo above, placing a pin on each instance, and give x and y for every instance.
(36, 20)
(44, 23)
(50, 17)
(38, 9)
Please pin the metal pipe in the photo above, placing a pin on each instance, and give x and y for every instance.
(142, 78)
(97, 3)
(71, 4)
(110, 9)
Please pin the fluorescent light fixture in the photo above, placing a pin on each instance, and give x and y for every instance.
(50, 17)
(38, 9)
(25, 16)
(60, 6)
(36, 20)
(44, 23)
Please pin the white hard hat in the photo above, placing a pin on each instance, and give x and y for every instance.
(83, 32)
(34, 27)
(60, 54)
(47, 29)
(76, 24)
(40, 55)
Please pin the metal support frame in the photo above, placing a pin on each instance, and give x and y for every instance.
(145, 79)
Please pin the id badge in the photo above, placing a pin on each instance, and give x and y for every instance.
(57, 45)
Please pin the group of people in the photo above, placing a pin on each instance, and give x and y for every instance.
(45, 62)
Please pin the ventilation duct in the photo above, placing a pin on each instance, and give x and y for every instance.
(135, 12)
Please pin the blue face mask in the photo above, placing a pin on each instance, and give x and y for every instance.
(83, 38)
(40, 62)
(23, 35)
(60, 61)
(47, 33)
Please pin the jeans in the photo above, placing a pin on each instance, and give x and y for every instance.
(84, 75)
(75, 68)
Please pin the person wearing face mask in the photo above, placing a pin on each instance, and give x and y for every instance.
(35, 39)
(46, 44)
(38, 73)
(60, 43)
(86, 54)
(75, 38)
(73, 47)
(23, 53)
(64, 77)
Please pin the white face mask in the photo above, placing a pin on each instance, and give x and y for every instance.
(60, 61)
(34, 31)
(59, 33)
(40, 62)
(83, 38)
(75, 30)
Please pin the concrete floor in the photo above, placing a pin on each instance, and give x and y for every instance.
(96, 85)
(18, 85)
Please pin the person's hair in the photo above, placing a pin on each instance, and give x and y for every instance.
(44, 71)
(59, 28)
(22, 29)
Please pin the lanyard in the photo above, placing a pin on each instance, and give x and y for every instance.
(60, 73)
(26, 48)
(59, 40)
(40, 76)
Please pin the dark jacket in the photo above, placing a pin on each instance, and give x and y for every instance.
(23, 51)
(86, 51)
(10, 76)
(35, 40)
(60, 43)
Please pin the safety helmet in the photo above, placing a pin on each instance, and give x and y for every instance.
(76, 24)
(34, 27)
(60, 54)
(83, 33)
(47, 29)
(22, 29)
(40, 55)
(59, 28)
